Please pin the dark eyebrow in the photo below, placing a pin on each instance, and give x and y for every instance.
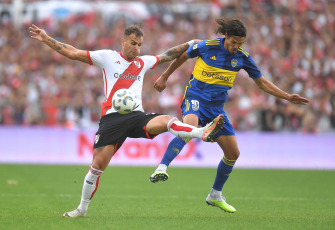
(133, 41)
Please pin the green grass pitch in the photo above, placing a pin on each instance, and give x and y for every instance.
(36, 196)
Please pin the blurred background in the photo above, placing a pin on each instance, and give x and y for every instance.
(290, 41)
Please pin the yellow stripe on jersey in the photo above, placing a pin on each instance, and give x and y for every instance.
(213, 42)
(189, 83)
(213, 75)
(245, 53)
(187, 103)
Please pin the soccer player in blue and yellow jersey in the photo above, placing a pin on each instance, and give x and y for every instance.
(218, 62)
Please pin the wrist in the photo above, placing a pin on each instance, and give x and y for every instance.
(165, 76)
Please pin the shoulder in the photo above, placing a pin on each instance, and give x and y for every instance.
(208, 44)
(213, 42)
(148, 58)
(243, 53)
(104, 52)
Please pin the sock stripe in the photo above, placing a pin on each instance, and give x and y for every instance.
(96, 187)
(171, 122)
(228, 162)
(95, 171)
(176, 127)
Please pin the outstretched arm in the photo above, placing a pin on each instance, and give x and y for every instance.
(64, 49)
(174, 52)
(272, 89)
(160, 83)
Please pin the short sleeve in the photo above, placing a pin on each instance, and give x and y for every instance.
(251, 68)
(194, 51)
(150, 61)
(98, 57)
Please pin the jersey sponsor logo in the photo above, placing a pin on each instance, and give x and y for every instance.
(118, 62)
(234, 62)
(216, 76)
(213, 58)
(127, 76)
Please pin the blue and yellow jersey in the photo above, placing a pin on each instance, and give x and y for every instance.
(215, 70)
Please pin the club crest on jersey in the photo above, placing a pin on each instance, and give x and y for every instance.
(234, 62)
(96, 138)
(138, 64)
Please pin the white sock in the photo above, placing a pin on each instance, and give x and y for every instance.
(161, 167)
(183, 130)
(215, 194)
(90, 186)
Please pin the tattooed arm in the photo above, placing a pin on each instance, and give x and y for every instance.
(64, 49)
(174, 52)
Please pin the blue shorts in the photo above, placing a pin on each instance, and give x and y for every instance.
(206, 113)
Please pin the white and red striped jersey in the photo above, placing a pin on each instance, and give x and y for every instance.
(120, 73)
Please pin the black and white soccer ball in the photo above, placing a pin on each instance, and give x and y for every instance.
(124, 101)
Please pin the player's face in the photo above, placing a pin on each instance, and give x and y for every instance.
(131, 46)
(232, 43)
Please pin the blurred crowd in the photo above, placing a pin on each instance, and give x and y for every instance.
(290, 41)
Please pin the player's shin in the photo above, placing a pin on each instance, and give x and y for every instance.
(183, 130)
(172, 151)
(224, 169)
(90, 186)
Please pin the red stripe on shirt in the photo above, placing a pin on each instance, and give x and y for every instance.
(123, 83)
(89, 57)
(155, 63)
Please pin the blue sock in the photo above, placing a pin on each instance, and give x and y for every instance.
(173, 149)
(224, 169)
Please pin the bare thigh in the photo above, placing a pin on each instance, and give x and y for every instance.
(229, 146)
(102, 156)
(191, 119)
(158, 125)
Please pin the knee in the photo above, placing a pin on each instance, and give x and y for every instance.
(232, 155)
(102, 157)
(98, 164)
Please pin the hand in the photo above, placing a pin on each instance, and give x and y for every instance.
(297, 99)
(160, 83)
(37, 33)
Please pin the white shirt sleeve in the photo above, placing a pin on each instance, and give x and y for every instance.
(150, 61)
(99, 57)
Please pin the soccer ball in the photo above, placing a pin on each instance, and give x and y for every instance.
(124, 101)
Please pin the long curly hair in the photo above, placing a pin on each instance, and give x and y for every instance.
(233, 27)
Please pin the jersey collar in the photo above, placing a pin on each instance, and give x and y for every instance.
(223, 49)
(126, 58)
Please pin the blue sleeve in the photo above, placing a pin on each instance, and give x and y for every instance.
(195, 50)
(251, 68)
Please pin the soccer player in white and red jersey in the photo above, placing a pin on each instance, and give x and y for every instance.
(124, 69)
